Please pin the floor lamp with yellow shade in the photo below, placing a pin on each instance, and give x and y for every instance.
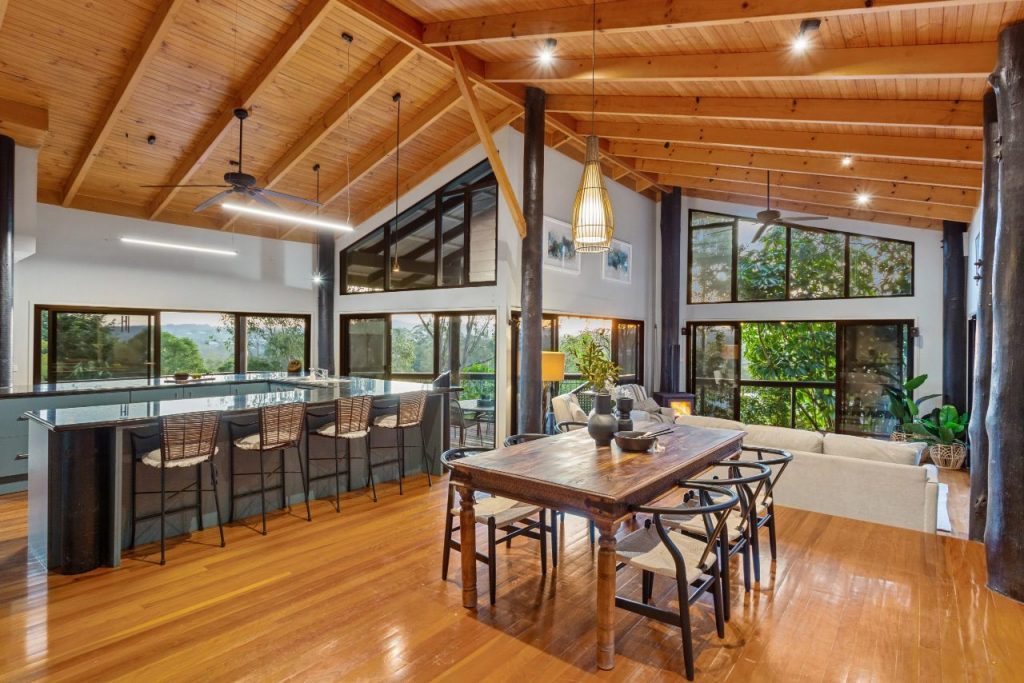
(552, 369)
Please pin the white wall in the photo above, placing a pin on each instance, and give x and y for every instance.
(924, 308)
(79, 260)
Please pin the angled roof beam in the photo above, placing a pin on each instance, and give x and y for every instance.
(965, 60)
(651, 15)
(25, 124)
(920, 113)
(159, 26)
(296, 35)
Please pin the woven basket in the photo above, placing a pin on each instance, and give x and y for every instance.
(948, 456)
(898, 435)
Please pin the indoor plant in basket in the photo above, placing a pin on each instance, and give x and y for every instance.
(942, 429)
(903, 406)
(600, 373)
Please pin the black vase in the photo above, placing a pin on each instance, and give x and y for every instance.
(602, 424)
(623, 407)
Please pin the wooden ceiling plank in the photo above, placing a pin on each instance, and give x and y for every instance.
(3, 11)
(966, 60)
(649, 15)
(483, 131)
(922, 174)
(932, 194)
(809, 208)
(25, 124)
(156, 31)
(894, 146)
(301, 29)
(920, 113)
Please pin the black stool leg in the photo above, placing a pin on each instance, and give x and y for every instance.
(492, 554)
(400, 436)
(305, 482)
(554, 538)
(447, 535)
(263, 496)
(684, 625)
(216, 498)
(284, 489)
(231, 484)
(771, 533)
(369, 468)
(199, 494)
(131, 542)
(348, 465)
(427, 460)
(163, 475)
(543, 541)
(337, 475)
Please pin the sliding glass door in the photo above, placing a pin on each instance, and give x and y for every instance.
(83, 345)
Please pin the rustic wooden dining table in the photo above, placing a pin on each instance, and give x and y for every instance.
(570, 473)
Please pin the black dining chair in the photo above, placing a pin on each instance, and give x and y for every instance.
(764, 506)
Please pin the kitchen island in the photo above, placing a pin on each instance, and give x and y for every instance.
(78, 457)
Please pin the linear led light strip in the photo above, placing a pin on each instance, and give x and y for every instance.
(284, 216)
(183, 247)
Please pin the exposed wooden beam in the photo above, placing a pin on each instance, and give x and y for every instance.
(652, 15)
(296, 35)
(919, 113)
(845, 200)
(25, 124)
(500, 120)
(892, 146)
(159, 26)
(949, 176)
(964, 60)
(809, 208)
(932, 194)
(3, 11)
(483, 131)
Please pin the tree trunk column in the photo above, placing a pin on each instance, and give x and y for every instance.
(325, 301)
(6, 259)
(954, 316)
(1004, 532)
(671, 287)
(983, 328)
(531, 299)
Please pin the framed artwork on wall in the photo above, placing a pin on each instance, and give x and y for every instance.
(559, 252)
(618, 263)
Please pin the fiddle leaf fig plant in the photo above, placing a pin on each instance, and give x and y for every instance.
(901, 404)
(943, 426)
(594, 366)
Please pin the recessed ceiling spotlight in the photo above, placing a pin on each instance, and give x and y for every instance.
(803, 38)
(863, 198)
(547, 52)
(847, 161)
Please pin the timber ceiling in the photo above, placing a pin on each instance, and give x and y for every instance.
(704, 95)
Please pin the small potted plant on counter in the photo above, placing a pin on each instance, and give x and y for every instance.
(600, 373)
(902, 406)
(943, 430)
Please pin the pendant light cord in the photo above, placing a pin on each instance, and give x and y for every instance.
(348, 132)
(593, 69)
(398, 163)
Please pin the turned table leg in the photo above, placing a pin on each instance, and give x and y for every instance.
(606, 596)
(467, 539)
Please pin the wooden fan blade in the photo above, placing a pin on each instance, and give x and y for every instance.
(760, 231)
(215, 199)
(260, 199)
(287, 197)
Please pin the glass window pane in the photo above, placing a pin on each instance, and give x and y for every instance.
(761, 265)
(627, 353)
(874, 355)
(571, 334)
(197, 343)
(789, 351)
(43, 360)
(468, 350)
(714, 370)
(817, 264)
(412, 344)
(816, 409)
(453, 242)
(880, 267)
(699, 218)
(483, 237)
(763, 405)
(711, 264)
(101, 346)
(364, 264)
(272, 342)
(367, 347)
(413, 260)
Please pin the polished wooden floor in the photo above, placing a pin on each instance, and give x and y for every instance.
(358, 596)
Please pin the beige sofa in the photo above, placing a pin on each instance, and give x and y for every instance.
(847, 476)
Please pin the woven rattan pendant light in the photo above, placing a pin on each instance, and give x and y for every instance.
(593, 223)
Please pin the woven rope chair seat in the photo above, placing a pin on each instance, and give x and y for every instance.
(503, 510)
(410, 411)
(643, 549)
(252, 443)
(329, 430)
(152, 459)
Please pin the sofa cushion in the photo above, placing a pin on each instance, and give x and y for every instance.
(783, 437)
(872, 449)
(709, 422)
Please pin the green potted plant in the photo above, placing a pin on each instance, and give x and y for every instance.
(943, 430)
(902, 405)
(600, 373)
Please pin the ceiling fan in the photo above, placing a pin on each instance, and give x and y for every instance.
(770, 216)
(237, 182)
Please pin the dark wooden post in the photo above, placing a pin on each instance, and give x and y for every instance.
(6, 259)
(531, 298)
(1004, 528)
(983, 328)
(324, 285)
(954, 315)
(671, 286)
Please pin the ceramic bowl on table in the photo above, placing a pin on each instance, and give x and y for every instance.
(634, 441)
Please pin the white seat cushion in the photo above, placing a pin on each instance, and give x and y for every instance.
(708, 422)
(503, 510)
(153, 460)
(328, 430)
(784, 438)
(387, 421)
(643, 549)
(695, 525)
(252, 443)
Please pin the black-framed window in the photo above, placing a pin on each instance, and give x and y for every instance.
(824, 375)
(731, 259)
(447, 239)
(75, 343)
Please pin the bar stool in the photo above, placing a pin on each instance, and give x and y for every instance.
(411, 407)
(280, 428)
(351, 423)
(185, 441)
